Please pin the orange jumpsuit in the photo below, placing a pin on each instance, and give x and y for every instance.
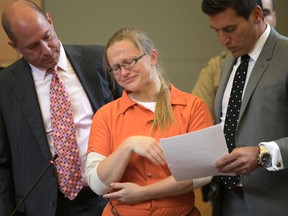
(121, 118)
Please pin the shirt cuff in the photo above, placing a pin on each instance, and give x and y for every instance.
(277, 162)
(199, 182)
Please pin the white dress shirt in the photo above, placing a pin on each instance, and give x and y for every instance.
(81, 107)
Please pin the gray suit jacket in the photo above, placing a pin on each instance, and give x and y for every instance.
(263, 117)
(24, 150)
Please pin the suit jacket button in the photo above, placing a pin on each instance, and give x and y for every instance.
(52, 203)
(53, 173)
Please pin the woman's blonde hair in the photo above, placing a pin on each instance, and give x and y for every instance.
(164, 116)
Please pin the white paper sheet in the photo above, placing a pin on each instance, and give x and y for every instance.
(193, 155)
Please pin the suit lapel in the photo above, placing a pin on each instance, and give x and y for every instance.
(225, 74)
(90, 81)
(23, 86)
(259, 68)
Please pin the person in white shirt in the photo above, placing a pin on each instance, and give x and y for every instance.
(26, 142)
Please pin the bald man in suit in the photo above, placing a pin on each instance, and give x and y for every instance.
(26, 141)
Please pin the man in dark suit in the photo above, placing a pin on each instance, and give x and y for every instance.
(26, 142)
(260, 156)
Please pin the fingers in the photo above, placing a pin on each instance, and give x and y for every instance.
(113, 195)
(226, 165)
(224, 161)
(155, 155)
(147, 147)
(117, 194)
(116, 186)
(240, 161)
(125, 192)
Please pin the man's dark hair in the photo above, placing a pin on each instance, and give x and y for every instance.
(243, 8)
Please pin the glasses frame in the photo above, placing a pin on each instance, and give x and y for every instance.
(125, 65)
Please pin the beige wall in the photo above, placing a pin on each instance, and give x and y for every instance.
(179, 29)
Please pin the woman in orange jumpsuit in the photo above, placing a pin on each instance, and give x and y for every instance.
(125, 161)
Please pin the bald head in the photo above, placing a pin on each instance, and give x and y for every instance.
(18, 15)
(31, 33)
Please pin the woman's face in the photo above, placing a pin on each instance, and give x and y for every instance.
(137, 77)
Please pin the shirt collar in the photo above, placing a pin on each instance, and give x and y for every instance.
(176, 97)
(40, 73)
(62, 63)
(254, 54)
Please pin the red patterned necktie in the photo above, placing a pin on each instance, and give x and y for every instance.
(64, 136)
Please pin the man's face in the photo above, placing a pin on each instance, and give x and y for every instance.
(269, 13)
(237, 34)
(38, 43)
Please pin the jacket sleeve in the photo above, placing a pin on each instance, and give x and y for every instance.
(7, 202)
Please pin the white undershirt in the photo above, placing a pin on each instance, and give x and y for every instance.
(149, 105)
(81, 107)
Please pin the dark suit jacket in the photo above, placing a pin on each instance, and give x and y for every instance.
(24, 150)
(263, 118)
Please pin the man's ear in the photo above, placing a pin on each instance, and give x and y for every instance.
(13, 45)
(49, 18)
(257, 14)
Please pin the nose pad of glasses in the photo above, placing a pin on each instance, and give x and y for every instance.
(125, 70)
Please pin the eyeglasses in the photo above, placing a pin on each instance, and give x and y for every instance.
(126, 65)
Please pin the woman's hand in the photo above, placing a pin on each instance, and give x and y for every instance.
(127, 193)
(147, 147)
